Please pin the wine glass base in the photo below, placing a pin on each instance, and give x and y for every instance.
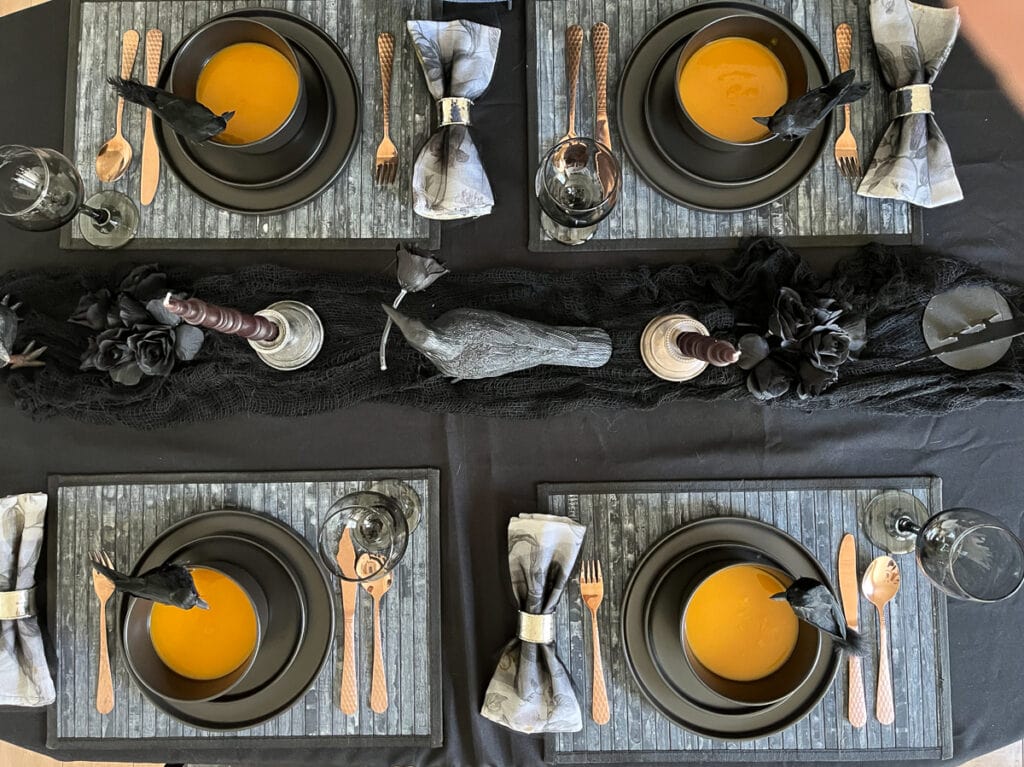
(878, 520)
(124, 220)
(407, 498)
(567, 235)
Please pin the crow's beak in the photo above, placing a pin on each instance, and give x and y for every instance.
(780, 597)
(202, 605)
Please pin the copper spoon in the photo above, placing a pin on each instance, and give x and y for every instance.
(116, 155)
(880, 583)
(366, 566)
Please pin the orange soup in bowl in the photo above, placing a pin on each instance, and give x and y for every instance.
(256, 82)
(206, 644)
(735, 629)
(730, 81)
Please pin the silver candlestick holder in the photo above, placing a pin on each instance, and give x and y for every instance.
(678, 347)
(299, 340)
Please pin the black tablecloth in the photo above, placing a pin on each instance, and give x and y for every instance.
(490, 467)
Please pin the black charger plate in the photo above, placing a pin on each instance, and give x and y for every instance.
(341, 140)
(726, 725)
(283, 691)
(282, 164)
(286, 604)
(668, 176)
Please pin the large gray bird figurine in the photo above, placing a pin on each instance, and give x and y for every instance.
(474, 343)
(29, 357)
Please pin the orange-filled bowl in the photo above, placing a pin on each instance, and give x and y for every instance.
(741, 644)
(732, 70)
(198, 655)
(244, 66)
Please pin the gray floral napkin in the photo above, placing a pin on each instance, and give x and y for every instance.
(448, 180)
(912, 161)
(531, 691)
(24, 676)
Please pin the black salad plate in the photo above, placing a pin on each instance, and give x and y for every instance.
(272, 168)
(272, 693)
(669, 163)
(740, 166)
(337, 145)
(651, 587)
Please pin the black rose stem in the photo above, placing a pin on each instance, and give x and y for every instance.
(286, 335)
(416, 271)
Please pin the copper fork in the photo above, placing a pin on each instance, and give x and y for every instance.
(592, 591)
(104, 589)
(386, 169)
(846, 145)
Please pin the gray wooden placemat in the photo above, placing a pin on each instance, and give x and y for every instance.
(353, 212)
(625, 519)
(123, 514)
(823, 210)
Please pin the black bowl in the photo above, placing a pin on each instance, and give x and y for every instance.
(214, 36)
(760, 29)
(774, 687)
(155, 675)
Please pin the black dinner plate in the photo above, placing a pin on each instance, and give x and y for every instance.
(286, 604)
(751, 722)
(282, 692)
(738, 166)
(668, 176)
(256, 171)
(340, 143)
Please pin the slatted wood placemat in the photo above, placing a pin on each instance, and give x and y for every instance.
(123, 514)
(353, 212)
(823, 210)
(625, 519)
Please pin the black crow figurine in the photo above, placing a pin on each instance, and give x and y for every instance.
(168, 584)
(187, 117)
(796, 118)
(813, 603)
(29, 357)
(475, 343)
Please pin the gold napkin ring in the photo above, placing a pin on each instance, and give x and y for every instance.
(911, 100)
(17, 604)
(453, 111)
(539, 629)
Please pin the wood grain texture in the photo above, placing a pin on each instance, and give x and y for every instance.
(352, 212)
(124, 517)
(623, 521)
(824, 205)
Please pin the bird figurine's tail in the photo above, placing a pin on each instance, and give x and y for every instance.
(813, 603)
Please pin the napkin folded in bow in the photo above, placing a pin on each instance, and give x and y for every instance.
(448, 179)
(912, 161)
(24, 676)
(531, 691)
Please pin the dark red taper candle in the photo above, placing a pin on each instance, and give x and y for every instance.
(707, 349)
(220, 318)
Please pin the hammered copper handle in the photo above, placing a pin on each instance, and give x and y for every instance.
(386, 58)
(573, 51)
(150, 153)
(379, 683)
(857, 708)
(599, 36)
(885, 712)
(844, 47)
(104, 682)
(599, 704)
(349, 702)
(129, 51)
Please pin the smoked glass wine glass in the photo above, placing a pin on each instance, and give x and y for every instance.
(376, 526)
(577, 186)
(966, 553)
(41, 190)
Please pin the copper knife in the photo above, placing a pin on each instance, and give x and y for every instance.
(346, 558)
(599, 36)
(150, 153)
(849, 590)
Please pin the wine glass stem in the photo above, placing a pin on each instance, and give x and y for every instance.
(100, 215)
(907, 526)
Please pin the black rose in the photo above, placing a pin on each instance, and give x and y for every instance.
(145, 283)
(791, 319)
(826, 350)
(107, 350)
(131, 312)
(92, 310)
(153, 349)
(814, 380)
(417, 271)
(770, 378)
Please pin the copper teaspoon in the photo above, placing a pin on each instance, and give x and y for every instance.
(880, 584)
(116, 155)
(366, 566)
